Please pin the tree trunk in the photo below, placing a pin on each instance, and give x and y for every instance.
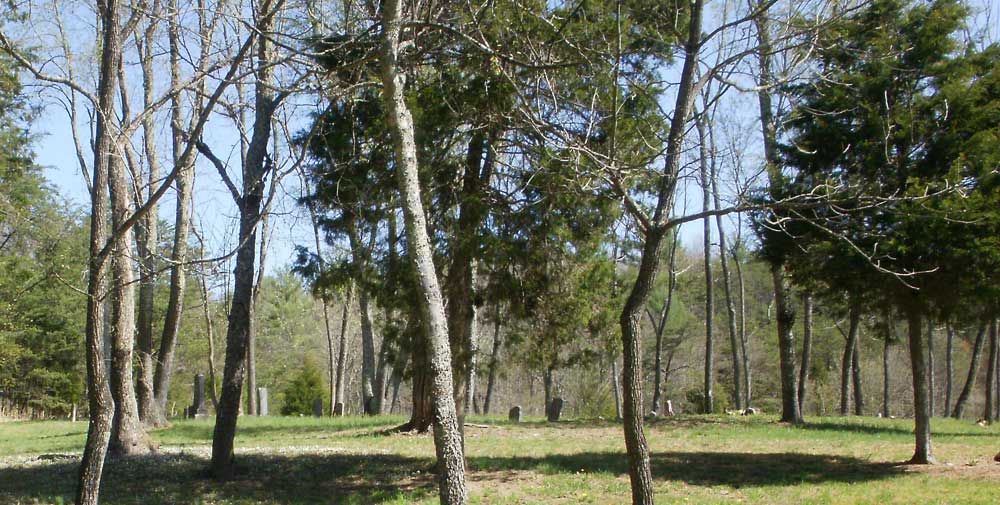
(807, 333)
(379, 386)
(615, 388)
(991, 370)
(210, 334)
(127, 434)
(850, 347)
(949, 368)
(661, 324)
(494, 361)
(727, 285)
(930, 363)
(146, 245)
(970, 380)
(360, 258)
(744, 343)
(256, 167)
(182, 222)
(921, 407)
(859, 391)
(98, 387)
(447, 432)
(785, 312)
(708, 406)
(338, 390)
(471, 365)
(886, 412)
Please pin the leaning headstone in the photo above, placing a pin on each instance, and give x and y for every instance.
(198, 407)
(318, 407)
(338, 409)
(262, 401)
(555, 410)
(514, 415)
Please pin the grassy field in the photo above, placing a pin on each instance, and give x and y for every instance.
(696, 459)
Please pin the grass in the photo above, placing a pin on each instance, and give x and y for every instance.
(696, 459)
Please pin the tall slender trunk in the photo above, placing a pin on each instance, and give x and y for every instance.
(338, 390)
(616, 388)
(182, 223)
(744, 343)
(209, 333)
(256, 167)
(726, 278)
(930, 363)
(807, 333)
(859, 391)
(382, 370)
(251, 357)
(660, 325)
(98, 387)
(949, 368)
(991, 370)
(850, 345)
(128, 437)
(886, 412)
(708, 405)
(921, 407)
(147, 235)
(360, 258)
(471, 364)
(494, 361)
(447, 432)
(785, 313)
(970, 380)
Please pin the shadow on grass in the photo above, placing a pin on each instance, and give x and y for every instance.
(371, 479)
(200, 432)
(873, 429)
(180, 479)
(707, 468)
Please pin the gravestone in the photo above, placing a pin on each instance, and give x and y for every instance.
(555, 410)
(198, 408)
(338, 409)
(318, 407)
(514, 415)
(262, 401)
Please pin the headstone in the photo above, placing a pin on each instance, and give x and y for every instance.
(338, 409)
(555, 410)
(198, 408)
(262, 401)
(318, 407)
(514, 415)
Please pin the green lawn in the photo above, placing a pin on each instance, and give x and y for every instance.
(696, 459)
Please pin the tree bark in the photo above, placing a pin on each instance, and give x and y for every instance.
(991, 370)
(361, 259)
(616, 388)
(785, 313)
(949, 368)
(338, 396)
(850, 347)
(128, 437)
(255, 168)
(744, 343)
(447, 432)
(930, 363)
(807, 334)
(922, 454)
(147, 235)
(494, 361)
(886, 412)
(970, 380)
(859, 391)
(98, 386)
(708, 405)
(660, 325)
(182, 223)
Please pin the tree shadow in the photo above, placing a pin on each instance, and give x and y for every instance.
(180, 479)
(707, 468)
(874, 429)
(307, 478)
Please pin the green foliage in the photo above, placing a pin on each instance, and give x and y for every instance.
(305, 387)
